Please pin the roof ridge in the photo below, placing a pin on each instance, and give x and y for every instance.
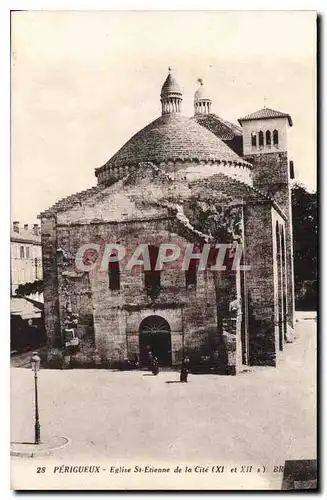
(266, 113)
(227, 122)
(221, 128)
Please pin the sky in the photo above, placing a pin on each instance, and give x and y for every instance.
(84, 82)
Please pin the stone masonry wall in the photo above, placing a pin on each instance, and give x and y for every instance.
(271, 175)
(51, 298)
(260, 284)
(192, 313)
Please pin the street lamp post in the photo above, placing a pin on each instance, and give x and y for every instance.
(35, 361)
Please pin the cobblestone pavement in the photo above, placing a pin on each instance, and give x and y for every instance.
(261, 417)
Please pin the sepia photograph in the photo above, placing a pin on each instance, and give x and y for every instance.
(163, 250)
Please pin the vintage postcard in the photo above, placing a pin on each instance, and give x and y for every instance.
(163, 250)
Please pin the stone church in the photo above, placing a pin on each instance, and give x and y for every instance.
(193, 181)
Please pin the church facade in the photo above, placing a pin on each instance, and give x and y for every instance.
(199, 182)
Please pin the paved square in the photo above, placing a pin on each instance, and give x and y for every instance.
(262, 416)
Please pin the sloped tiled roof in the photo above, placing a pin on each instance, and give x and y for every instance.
(70, 201)
(265, 114)
(234, 188)
(20, 306)
(221, 128)
(151, 173)
(25, 236)
(174, 137)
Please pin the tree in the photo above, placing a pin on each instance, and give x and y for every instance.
(305, 239)
(30, 288)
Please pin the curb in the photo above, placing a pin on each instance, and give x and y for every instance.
(36, 453)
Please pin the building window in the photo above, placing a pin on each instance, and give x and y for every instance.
(27, 252)
(268, 138)
(254, 140)
(260, 138)
(152, 278)
(275, 137)
(191, 274)
(22, 253)
(114, 276)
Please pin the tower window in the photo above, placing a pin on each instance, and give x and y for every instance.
(268, 138)
(275, 137)
(27, 252)
(152, 278)
(22, 253)
(260, 138)
(254, 140)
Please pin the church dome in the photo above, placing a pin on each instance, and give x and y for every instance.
(171, 137)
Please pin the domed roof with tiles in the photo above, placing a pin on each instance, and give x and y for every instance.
(170, 86)
(172, 136)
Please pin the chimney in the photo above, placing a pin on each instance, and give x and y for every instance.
(15, 226)
(25, 227)
(36, 229)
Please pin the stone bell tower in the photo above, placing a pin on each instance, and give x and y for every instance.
(265, 135)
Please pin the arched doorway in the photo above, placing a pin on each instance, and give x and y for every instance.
(155, 337)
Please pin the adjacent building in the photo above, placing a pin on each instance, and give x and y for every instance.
(26, 312)
(26, 255)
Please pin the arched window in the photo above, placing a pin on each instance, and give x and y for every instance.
(254, 140)
(268, 138)
(152, 277)
(260, 138)
(275, 137)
